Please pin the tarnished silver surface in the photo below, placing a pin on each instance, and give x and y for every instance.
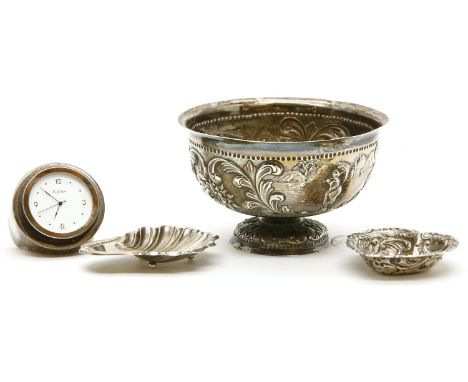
(154, 245)
(275, 236)
(281, 160)
(29, 236)
(396, 251)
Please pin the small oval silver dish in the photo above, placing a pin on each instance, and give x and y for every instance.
(154, 244)
(396, 251)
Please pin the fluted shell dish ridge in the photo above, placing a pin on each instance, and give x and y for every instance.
(155, 244)
(167, 239)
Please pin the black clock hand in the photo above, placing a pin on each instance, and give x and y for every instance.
(59, 205)
(55, 205)
(49, 195)
(56, 212)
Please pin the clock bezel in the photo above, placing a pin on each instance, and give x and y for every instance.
(77, 174)
(39, 235)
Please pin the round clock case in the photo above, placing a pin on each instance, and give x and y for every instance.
(57, 207)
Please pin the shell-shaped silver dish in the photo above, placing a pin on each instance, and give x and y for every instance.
(154, 244)
(397, 251)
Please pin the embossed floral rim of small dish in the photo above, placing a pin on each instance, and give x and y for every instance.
(154, 244)
(397, 251)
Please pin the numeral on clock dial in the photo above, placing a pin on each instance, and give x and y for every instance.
(66, 202)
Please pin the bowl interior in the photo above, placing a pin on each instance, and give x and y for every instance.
(282, 120)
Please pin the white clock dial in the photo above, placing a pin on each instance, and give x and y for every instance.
(60, 202)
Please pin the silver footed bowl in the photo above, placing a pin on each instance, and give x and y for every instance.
(154, 244)
(397, 251)
(281, 160)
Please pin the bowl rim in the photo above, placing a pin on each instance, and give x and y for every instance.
(349, 107)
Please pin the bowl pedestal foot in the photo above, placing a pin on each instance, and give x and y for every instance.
(280, 236)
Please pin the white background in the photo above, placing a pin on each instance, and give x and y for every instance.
(100, 84)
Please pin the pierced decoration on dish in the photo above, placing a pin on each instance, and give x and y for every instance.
(155, 244)
(396, 251)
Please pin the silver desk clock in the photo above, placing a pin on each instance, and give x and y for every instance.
(56, 208)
